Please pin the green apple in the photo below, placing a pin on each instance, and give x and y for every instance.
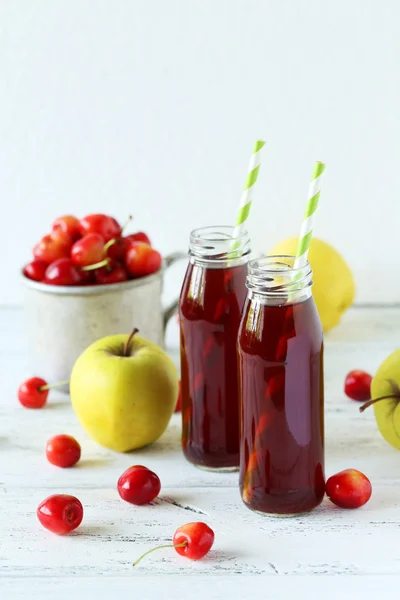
(385, 398)
(124, 390)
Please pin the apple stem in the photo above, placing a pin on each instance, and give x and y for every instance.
(98, 265)
(49, 386)
(128, 342)
(183, 545)
(371, 402)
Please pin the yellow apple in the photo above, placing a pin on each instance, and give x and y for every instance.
(385, 398)
(124, 390)
(334, 288)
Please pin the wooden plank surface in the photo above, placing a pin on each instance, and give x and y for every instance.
(253, 557)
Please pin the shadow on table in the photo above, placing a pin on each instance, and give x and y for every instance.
(90, 463)
(170, 441)
(93, 531)
(59, 404)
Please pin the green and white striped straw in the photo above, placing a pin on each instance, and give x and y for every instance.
(307, 226)
(245, 200)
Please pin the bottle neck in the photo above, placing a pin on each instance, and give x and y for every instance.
(275, 281)
(279, 299)
(216, 248)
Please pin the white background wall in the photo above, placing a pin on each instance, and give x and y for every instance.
(151, 107)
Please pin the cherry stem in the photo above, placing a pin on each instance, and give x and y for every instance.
(128, 342)
(125, 225)
(371, 402)
(183, 545)
(98, 265)
(108, 245)
(49, 386)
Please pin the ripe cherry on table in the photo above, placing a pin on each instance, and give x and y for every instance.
(33, 392)
(63, 451)
(349, 489)
(357, 385)
(193, 540)
(138, 485)
(60, 513)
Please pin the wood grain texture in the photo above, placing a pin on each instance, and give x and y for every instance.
(253, 557)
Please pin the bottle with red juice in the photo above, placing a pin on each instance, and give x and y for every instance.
(211, 302)
(280, 350)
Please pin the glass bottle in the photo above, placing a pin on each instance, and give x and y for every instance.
(280, 348)
(211, 301)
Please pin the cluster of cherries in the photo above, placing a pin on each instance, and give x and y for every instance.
(62, 513)
(91, 251)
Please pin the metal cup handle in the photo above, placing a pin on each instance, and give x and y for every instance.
(170, 310)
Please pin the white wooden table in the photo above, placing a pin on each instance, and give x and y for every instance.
(253, 556)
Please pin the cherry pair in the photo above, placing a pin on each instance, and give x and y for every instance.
(138, 485)
(62, 513)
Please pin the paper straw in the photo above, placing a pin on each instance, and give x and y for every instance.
(307, 225)
(245, 200)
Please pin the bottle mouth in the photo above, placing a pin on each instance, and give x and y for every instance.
(219, 243)
(277, 275)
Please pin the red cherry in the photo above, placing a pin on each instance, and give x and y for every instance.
(106, 226)
(63, 451)
(53, 246)
(140, 236)
(193, 540)
(60, 513)
(138, 485)
(88, 250)
(69, 225)
(61, 237)
(349, 488)
(35, 270)
(141, 259)
(114, 272)
(178, 406)
(87, 277)
(357, 385)
(116, 250)
(31, 394)
(64, 272)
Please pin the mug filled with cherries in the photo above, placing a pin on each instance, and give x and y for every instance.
(89, 278)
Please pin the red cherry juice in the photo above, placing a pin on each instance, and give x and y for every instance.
(282, 395)
(210, 309)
